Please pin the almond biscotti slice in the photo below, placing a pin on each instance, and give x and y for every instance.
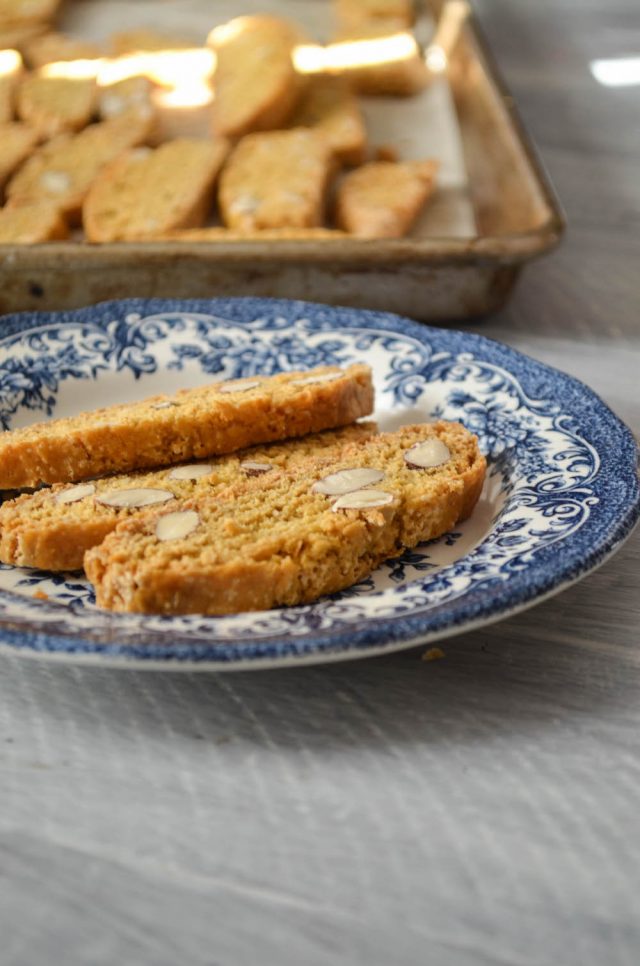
(147, 193)
(288, 540)
(32, 224)
(256, 84)
(219, 418)
(54, 527)
(329, 106)
(276, 179)
(62, 170)
(54, 105)
(383, 199)
(18, 141)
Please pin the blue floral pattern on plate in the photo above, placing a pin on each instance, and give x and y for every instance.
(561, 493)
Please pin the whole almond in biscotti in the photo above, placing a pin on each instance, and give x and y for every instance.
(383, 199)
(256, 84)
(54, 105)
(330, 107)
(53, 47)
(148, 193)
(32, 224)
(62, 170)
(18, 141)
(215, 419)
(275, 540)
(276, 179)
(52, 528)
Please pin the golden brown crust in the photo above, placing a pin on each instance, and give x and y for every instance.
(197, 423)
(277, 542)
(257, 86)
(382, 199)
(38, 531)
(147, 193)
(31, 225)
(277, 179)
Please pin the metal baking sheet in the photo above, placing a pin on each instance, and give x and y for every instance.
(494, 209)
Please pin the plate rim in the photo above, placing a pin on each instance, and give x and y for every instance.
(378, 636)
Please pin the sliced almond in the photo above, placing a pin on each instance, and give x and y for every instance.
(169, 404)
(362, 500)
(241, 385)
(310, 380)
(252, 468)
(134, 498)
(425, 456)
(174, 526)
(193, 471)
(75, 494)
(346, 481)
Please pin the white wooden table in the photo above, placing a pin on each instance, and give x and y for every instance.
(481, 809)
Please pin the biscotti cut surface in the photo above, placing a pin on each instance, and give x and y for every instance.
(291, 539)
(211, 420)
(63, 170)
(329, 106)
(147, 193)
(17, 141)
(31, 225)
(383, 199)
(277, 179)
(257, 86)
(54, 527)
(54, 105)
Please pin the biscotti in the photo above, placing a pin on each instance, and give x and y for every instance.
(329, 106)
(257, 86)
(288, 540)
(383, 199)
(147, 193)
(32, 224)
(277, 179)
(382, 62)
(393, 14)
(219, 418)
(53, 47)
(18, 141)
(62, 170)
(54, 527)
(122, 96)
(54, 105)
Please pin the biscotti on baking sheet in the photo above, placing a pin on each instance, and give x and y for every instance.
(54, 105)
(53, 528)
(383, 199)
(276, 179)
(257, 86)
(330, 107)
(215, 419)
(292, 538)
(147, 193)
(62, 170)
(32, 224)
(17, 141)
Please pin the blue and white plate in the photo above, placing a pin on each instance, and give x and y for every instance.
(561, 493)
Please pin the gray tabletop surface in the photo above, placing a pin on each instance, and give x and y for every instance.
(480, 809)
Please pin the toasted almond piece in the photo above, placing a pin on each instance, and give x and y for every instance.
(76, 493)
(362, 500)
(253, 468)
(174, 526)
(433, 452)
(135, 497)
(347, 481)
(167, 404)
(312, 380)
(191, 471)
(241, 385)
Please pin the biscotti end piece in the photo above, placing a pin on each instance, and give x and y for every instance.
(383, 199)
(53, 105)
(62, 170)
(386, 62)
(212, 420)
(330, 107)
(257, 86)
(52, 528)
(18, 141)
(276, 179)
(293, 538)
(53, 47)
(32, 224)
(147, 193)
